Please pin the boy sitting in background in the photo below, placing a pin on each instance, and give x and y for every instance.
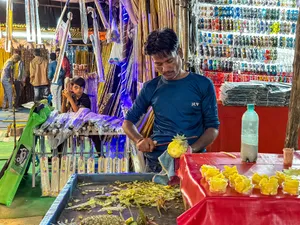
(78, 99)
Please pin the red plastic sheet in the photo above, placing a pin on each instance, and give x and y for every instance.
(234, 208)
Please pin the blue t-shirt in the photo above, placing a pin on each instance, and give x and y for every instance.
(187, 106)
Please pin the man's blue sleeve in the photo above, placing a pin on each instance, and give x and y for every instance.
(140, 106)
(210, 108)
(50, 72)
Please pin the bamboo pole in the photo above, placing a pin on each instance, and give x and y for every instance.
(176, 18)
(140, 66)
(145, 36)
(185, 33)
(291, 139)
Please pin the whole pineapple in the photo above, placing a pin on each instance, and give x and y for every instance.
(178, 146)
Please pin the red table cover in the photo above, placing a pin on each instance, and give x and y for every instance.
(233, 208)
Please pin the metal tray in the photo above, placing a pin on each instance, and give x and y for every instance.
(64, 196)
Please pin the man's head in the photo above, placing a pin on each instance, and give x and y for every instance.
(15, 58)
(163, 47)
(52, 56)
(57, 51)
(37, 52)
(78, 85)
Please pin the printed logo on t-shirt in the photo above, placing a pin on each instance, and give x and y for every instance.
(195, 103)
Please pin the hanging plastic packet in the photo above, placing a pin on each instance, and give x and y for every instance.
(116, 54)
(55, 174)
(64, 166)
(45, 179)
(81, 159)
(108, 160)
(72, 158)
(91, 160)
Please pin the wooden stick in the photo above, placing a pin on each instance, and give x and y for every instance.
(185, 139)
(291, 139)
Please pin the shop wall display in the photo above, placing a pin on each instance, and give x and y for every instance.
(246, 37)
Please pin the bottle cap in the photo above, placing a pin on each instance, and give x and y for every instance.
(250, 106)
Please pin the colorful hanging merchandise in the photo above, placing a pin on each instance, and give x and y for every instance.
(13, 171)
(116, 54)
(33, 28)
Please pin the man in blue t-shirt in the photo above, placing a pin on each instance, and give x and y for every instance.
(183, 102)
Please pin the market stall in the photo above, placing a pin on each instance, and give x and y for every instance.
(232, 207)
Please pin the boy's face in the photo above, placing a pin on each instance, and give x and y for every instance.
(77, 90)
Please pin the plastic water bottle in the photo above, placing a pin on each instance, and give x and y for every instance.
(249, 142)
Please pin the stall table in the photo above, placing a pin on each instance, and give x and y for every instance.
(234, 208)
(272, 128)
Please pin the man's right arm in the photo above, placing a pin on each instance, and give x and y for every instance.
(140, 107)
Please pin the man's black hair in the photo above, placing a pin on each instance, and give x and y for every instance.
(79, 81)
(162, 42)
(53, 56)
(37, 52)
(57, 50)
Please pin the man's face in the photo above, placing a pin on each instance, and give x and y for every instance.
(77, 90)
(168, 66)
(57, 54)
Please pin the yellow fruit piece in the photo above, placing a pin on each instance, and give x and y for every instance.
(242, 184)
(256, 178)
(268, 186)
(291, 186)
(228, 171)
(204, 168)
(217, 184)
(211, 173)
(280, 177)
(177, 147)
(232, 179)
